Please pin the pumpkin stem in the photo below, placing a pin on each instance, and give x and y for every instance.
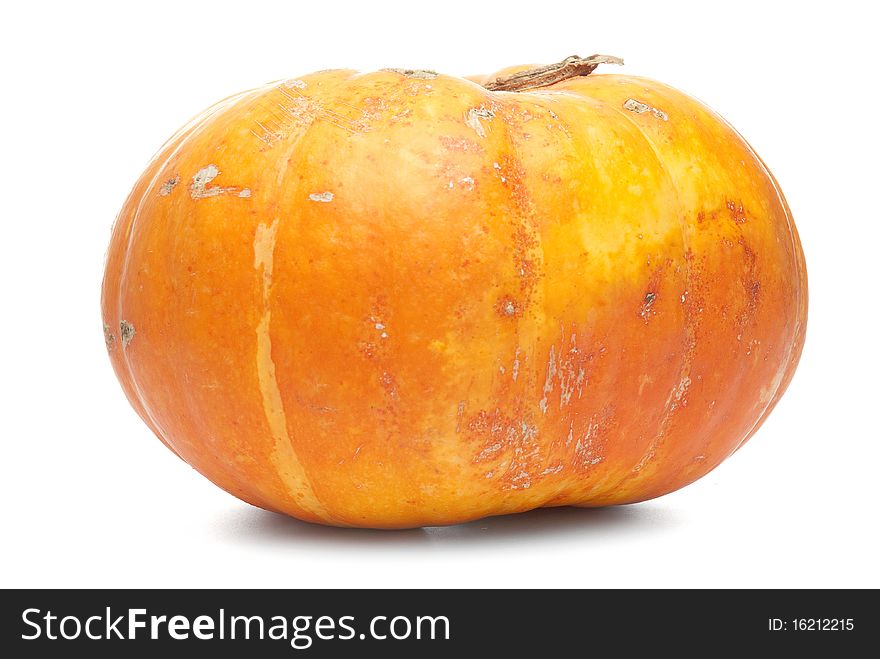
(570, 67)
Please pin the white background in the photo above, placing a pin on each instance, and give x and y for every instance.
(91, 498)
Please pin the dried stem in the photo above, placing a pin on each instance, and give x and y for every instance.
(570, 67)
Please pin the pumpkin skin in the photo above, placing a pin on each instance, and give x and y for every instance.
(397, 299)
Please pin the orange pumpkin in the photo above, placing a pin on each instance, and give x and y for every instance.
(399, 298)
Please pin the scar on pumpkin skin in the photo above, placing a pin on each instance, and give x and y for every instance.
(646, 306)
(199, 188)
(109, 337)
(508, 307)
(473, 119)
(168, 186)
(126, 331)
(638, 107)
(421, 74)
(325, 197)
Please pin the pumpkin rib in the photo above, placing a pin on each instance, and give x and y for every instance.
(281, 463)
(574, 493)
(796, 343)
(558, 105)
(286, 186)
(637, 471)
(196, 125)
(565, 491)
(529, 222)
(671, 96)
(112, 286)
(641, 476)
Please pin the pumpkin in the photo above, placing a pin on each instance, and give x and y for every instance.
(399, 298)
